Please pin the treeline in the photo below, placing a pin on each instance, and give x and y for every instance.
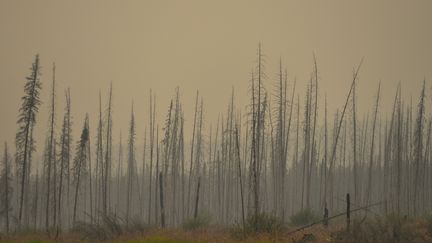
(276, 157)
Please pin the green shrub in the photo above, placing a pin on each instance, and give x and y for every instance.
(261, 223)
(264, 223)
(109, 227)
(428, 219)
(304, 217)
(202, 221)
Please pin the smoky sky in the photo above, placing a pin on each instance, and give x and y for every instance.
(208, 46)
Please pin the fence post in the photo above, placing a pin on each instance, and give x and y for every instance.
(348, 215)
(326, 215)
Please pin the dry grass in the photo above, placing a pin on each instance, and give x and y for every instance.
(173, 235)
(373, 230)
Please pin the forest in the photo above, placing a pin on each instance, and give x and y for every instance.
(282, 165)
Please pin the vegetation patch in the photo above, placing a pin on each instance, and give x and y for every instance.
(202, 221)
(304, 217)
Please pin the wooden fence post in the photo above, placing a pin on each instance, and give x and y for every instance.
(326, 215)
(348, 212)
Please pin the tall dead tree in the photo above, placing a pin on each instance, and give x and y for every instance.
(50, 151)
(64, 157)
(143, 177)
(79, 165)
(108, 145)
(152, 134)
(279, 151)
(371, 157)
(399, 149)
(119, 171)
(306, 135)
(99, 159)
(192, 153)
(323, 203)
(182, 159)
(354, 144)
(257, 116)
(24, 136)
(313, 112)
(131, 166)
(418, 148)
(330, 178)
(240, 175)
(387, 152)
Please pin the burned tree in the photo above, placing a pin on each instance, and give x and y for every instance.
(26, 122)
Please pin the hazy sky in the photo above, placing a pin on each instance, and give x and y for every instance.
(206, 45)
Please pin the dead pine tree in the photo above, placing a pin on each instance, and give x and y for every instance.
(387, 152)
(418, 148)
(24, 136)
(323, 203)
(287, 138)
(131, 166)
(142, 189)
(157, 179)
(192, 154)
(306, 135)
(54, 185)
(50, 151)
(65, 140)
(313, 104)
(198, 155)
(166, 144)
(79, 164)
(119, 173)
(399, 151)
(240, 175)
(107, 161)
(175, 158)
(182, 159)
(330, 178)
(99, 168)
(426, 160)
(354, 144)
(257, 132)
(152, 134)
(371, 157)
(296, 156)
(278, 147)
(90, 178)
